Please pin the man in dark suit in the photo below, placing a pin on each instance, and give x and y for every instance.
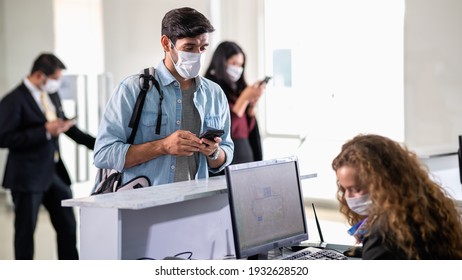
(31, 121)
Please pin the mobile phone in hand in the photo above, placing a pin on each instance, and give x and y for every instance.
(73, 120)
(211, 133)
(265, 80)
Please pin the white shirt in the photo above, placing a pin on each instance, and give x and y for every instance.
(36, 95)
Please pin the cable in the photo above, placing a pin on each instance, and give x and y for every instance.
(183, 253)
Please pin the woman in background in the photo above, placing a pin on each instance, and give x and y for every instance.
(397, 210)
(227, 69)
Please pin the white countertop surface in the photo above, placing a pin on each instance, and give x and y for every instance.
(153, 196)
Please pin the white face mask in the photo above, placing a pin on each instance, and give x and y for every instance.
(188, 64)
(51, 85)
(360, 205)
(234, 72)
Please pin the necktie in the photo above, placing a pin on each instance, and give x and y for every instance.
(49, 113)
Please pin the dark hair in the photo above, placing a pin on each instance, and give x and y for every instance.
(185, 22)
(47, 63)
(217, 68)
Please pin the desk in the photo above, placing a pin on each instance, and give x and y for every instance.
(157, 222)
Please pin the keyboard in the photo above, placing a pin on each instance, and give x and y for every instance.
(311, 253)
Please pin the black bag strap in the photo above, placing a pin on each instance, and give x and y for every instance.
(146, 81)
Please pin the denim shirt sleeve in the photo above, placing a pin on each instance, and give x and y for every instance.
(111, 141)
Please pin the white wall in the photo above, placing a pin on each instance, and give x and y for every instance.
(132, 31)
(433, 75)
(242, 21)
(127, 46)
(445, 171)
(3, 86)
(27, 30)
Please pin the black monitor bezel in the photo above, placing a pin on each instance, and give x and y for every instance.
(263, 249)
(459, 157)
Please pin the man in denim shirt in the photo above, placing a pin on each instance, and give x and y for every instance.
(191, 104)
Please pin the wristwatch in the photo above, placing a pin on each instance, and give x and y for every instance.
(214, 155)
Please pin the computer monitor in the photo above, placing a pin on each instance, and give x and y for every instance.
(266, 204)
(459, 155)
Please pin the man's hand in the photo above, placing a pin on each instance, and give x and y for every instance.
(58, 126)
(211, 146)
(182, 143)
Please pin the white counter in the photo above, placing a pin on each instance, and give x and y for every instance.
(157, 222)
(153, 196)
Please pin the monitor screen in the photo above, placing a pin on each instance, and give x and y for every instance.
(266, 204)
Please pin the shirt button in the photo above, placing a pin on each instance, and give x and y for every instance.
(172, 167)
(175, 84)
(179, 101)
(178, 122)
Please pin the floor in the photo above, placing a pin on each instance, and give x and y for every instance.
(45, 247)
(332, 224)
(45, 237)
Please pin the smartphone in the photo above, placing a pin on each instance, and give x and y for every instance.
(211, 133)
(73, 120)
(265, 80)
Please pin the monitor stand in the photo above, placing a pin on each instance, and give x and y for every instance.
(262, 256)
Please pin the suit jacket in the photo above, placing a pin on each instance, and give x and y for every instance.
(30, 164)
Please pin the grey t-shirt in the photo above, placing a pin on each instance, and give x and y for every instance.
(186, 166)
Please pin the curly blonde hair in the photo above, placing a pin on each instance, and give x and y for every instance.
(409, 208)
